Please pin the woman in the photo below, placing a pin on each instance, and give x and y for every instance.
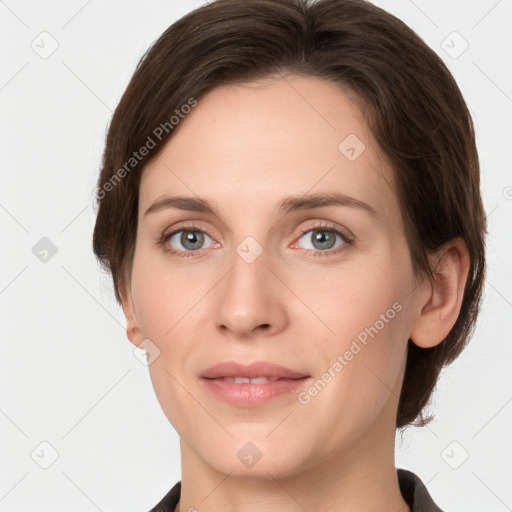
(289, 205)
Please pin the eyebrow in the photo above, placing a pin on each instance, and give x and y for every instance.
(292, 203)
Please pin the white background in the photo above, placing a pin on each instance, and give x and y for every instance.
(68, 375)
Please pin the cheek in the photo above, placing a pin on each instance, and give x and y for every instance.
(349, 298)
(168, 303)
(162, 316)
(368, 319)
(154, 306)
(164, 295)
(363, 361)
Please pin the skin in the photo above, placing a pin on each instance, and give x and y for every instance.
(246, 148)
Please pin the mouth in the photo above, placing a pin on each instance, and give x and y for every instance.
(251, 385)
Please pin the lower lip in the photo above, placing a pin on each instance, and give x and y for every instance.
(252, 395)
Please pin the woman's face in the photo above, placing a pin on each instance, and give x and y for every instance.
(267, 278)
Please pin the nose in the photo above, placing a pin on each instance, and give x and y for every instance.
(251, 298)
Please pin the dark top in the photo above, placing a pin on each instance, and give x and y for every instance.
(412, 488)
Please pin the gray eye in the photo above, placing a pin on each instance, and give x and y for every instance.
(321, 239)
(190, 240)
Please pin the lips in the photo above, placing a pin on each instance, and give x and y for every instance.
(252, 385)
(258, 370)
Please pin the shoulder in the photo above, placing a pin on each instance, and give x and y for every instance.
(415, 492)
(169, 501)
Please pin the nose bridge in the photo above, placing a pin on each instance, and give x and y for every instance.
(248, 274)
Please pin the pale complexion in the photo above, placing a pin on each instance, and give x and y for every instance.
(245, 149)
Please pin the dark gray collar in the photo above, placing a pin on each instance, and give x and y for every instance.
(415, 493)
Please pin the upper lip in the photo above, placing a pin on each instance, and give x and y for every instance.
(253, 370)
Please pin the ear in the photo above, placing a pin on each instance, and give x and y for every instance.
(133, 331)
(440, 299)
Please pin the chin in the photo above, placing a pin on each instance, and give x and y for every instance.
(253, 456)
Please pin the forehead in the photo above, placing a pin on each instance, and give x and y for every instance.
(254, 143)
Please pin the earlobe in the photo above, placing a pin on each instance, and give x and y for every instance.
(440, 298)
(133, 332)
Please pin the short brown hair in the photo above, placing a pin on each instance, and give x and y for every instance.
(410, 101)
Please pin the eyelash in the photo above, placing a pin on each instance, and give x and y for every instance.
(325, 226)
